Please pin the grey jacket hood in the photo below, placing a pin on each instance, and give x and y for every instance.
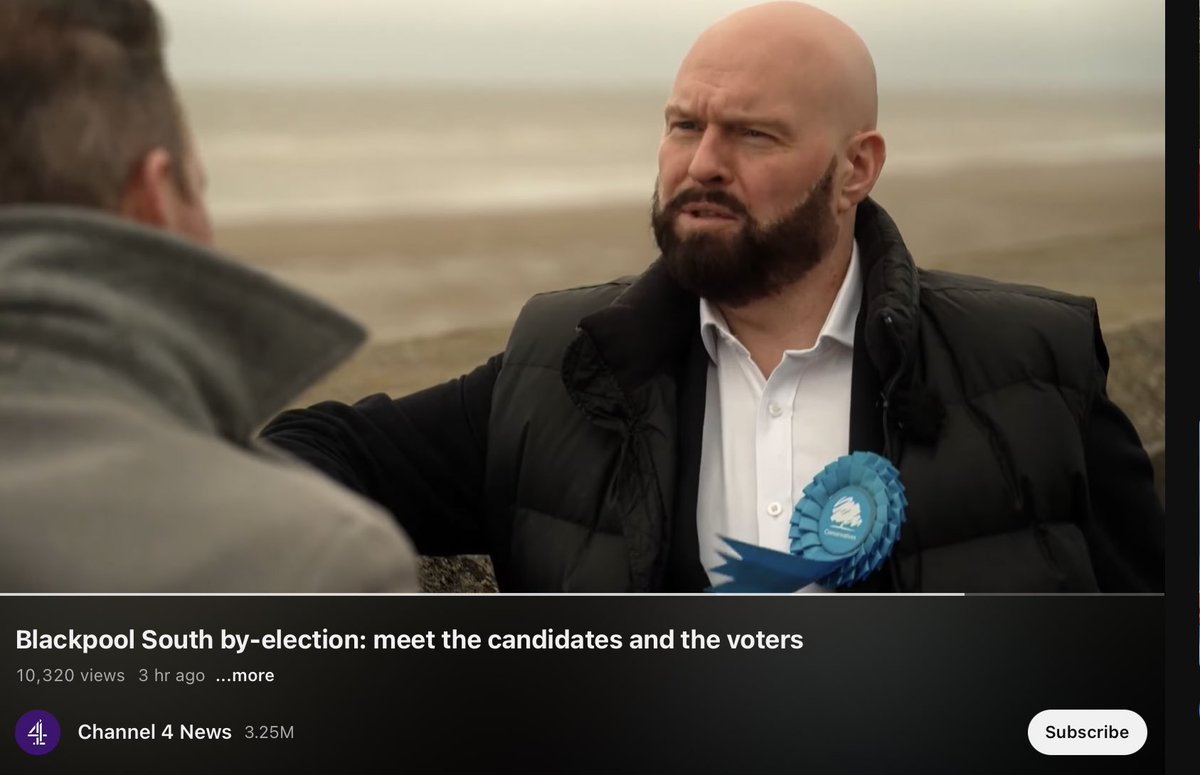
(134, 369)
(217, 344)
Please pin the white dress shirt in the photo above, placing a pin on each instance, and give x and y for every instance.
(765, 439)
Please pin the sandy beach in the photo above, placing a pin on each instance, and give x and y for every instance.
(438, 293)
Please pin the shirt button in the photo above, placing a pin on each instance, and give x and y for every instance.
(774, 410)
(775, 509)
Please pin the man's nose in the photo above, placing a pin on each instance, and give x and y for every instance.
(710, 162)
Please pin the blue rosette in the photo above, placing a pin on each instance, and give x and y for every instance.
(842, 530)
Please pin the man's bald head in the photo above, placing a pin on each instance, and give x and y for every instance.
(825, 64)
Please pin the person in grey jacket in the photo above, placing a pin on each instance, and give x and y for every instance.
(135, 362)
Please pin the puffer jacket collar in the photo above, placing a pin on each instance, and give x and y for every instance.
(646, 330)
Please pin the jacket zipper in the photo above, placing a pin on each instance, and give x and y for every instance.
(889, 450)
(886, 394)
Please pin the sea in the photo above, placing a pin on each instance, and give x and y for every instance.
(280, 152)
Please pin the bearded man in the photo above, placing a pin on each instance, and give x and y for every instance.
(629, 428)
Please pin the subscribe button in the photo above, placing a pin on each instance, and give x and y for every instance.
(1087, 732)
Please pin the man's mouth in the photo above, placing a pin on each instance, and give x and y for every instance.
(708, 211)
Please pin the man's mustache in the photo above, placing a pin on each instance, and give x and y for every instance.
(697, 196)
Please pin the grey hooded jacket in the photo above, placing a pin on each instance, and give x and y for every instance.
(135, 369)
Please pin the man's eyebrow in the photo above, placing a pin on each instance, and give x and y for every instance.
(750, 120)
(736, 119)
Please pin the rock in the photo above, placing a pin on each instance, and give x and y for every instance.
(1137, 384)
(461, 573)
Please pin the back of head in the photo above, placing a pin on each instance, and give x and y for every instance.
(84, 96)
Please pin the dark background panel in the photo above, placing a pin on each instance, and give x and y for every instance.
(882, 684)
(1182, 175)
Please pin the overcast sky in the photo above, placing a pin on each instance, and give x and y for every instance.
(1053, 43)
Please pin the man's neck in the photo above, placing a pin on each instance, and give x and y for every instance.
(793, 318)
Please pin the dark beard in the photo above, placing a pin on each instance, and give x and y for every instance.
(758, 261)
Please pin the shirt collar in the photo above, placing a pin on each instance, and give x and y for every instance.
(839, 324)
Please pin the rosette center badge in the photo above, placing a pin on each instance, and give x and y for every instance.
(846, 522)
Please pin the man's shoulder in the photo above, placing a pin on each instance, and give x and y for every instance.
(578, 300)
(161, 506)
(987, 305)
(1011, 330)
(983, 294)
(549, 321)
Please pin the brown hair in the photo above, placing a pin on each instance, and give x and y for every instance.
(84, 96)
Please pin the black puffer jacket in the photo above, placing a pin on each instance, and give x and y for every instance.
(573, 459)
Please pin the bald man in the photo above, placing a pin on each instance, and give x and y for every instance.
(628, 428)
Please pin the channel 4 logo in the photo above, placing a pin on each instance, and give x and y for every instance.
(38, 733)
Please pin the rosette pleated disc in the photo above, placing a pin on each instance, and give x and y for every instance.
(867, 472)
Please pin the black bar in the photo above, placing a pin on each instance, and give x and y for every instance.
(879, 684)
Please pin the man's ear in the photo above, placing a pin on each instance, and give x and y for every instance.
(866, 153)
(149, 194)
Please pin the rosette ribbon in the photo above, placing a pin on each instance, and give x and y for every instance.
(842, 530)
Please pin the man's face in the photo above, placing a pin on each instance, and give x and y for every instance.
(744, 201)
(756, 260)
